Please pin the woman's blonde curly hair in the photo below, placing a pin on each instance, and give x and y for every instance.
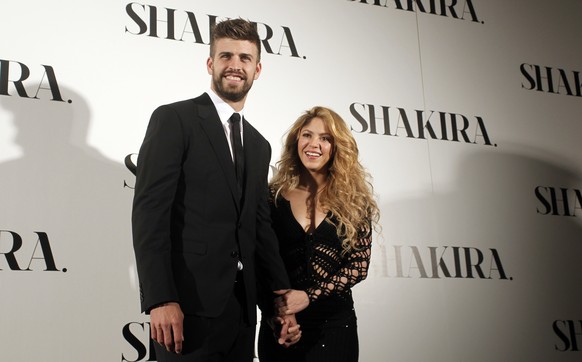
(348, 195)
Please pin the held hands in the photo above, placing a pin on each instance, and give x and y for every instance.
(167, 326)
(286, 330)
(290, 302)
(285, 325)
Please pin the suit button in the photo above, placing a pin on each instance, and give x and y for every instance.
(234, 254)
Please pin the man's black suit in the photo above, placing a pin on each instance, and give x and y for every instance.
(191, 225)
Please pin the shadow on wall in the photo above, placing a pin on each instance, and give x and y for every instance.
(514, 202)
(500, 201)
(69, 192)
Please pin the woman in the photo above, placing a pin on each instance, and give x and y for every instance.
(323, 210)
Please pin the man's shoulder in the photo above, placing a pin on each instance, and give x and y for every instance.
(187, 104)
(185, 109)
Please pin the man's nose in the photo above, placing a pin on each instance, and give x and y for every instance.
(234, 63)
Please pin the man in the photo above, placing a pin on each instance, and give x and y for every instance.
(201, 224)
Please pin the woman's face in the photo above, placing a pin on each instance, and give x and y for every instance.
(315, 146)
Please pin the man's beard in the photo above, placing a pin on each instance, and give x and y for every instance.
(232, 94)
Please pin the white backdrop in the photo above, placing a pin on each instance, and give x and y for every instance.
(467, 114)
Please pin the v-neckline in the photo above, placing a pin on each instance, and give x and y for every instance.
(290, 209)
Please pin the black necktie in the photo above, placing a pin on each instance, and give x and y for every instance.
(239, 157)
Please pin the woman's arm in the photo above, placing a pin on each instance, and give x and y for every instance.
(354, 269)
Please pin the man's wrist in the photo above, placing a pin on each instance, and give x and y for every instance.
(163, 304)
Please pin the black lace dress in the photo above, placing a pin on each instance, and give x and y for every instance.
(315, 265)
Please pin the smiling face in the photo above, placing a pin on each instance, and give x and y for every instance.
(233, 67)
(314, 146)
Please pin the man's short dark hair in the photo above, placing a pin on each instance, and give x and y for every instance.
(237, 29)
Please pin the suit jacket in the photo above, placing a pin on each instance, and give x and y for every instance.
(190, 223)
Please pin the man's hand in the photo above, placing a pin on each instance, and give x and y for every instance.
(291, 302)
(167, 321)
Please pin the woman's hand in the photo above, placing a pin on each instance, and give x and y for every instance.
(291, 302)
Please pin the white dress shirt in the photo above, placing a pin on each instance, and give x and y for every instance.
(225, 111)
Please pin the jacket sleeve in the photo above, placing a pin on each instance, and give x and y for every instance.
(158, 172)
(271, 271)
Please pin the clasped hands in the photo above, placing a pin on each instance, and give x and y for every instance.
(287, 304)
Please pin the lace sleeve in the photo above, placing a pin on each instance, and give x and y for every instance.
(353, 269)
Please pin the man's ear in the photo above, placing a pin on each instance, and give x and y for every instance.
(258, 70)
(209, 65)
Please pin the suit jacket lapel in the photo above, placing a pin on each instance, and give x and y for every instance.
(210, 123)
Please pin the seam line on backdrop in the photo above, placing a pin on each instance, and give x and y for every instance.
(424, 101)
